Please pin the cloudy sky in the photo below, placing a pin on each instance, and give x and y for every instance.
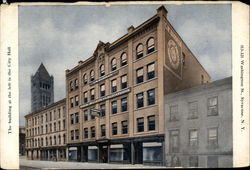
(60, 36)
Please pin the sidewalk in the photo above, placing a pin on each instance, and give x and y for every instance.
(37, 164)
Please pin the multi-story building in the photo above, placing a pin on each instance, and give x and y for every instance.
(115, 98)
(46, 133)
(199, 126)
(42, 89)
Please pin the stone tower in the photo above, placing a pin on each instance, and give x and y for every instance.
(42, 89)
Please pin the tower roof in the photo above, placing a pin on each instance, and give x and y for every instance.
(42, 72)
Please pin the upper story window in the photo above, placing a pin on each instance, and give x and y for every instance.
(213, 106)
(76, 84)
(86, 133)
(72, 134)
(173, 113)
(76, 100)
(103, 110)
(103, 130)
(102, 90)
(139, 75)
(71, 102)
(72, 119)
(140, 124)
(76, 117)
(193, 110)
(151, 96)
(92, 94)
(139, 51)
(140, 102)
(85, 97)
(174, 141)
(193, 138)
(113, 64)
(113, 86)
(124, 59)
(124, 104)
(124, 127)
(77, 133)
(92, 131)
(124, 81)
(86, 115)
(151, 71)
(102, 70)
(71, 86)
(151, 122)
(114, 107)
(85, 79)
(114, 128)
(150, 45)
(213, 137)
(92, 75)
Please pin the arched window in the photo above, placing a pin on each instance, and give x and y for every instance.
(59, 139)
(102, 71)
(85, 79)
(64, 138)
(139, 51)
(113, 64)
(76, 83)
(151, 45)
(50, 140)
(46, 139)
(123, 59)
(92, 75)
(54, 140)
(71, 86)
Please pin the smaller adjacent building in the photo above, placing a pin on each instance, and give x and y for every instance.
(46, 133)
(21, 140)
(199, 126)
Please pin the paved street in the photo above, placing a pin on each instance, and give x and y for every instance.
(34, 164)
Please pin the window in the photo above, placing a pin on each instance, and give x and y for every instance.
(54, 114)
(193, 138)
(103, 110)
(50, 127)
(123, 59)
(193, 110)
(174, 141)
(213, 106)
(59, 125)
(42, 118)
(124, 104)
(140, 124)
(114, 128)
(76, 100)
(64, 138)
(72, 118)
(124, 83)
(85, 79)
(124, 127)
(173, 113)
(92, 115)
(76, 117)
(150, 45)
(193, 161)
(114, 107)
(41, 129)
(76, 84)
(64, 124)
(59, 140)
(46, 128)
(140, 102)
(71, 86)
(102, 70)
(113, 64)
(212, 162)
(212, 137)
(151, 97)
(139, 75)
(103, 130)
(85, 97)
(151, 70)
(50, 116)
(102, 90)
(54, 140)
(86, 115)
(86, 133)
(92, 75)
(72, 134)
(113, 86)
(151, 123)
(55, 127)
(46, 117)
(139, 51)
(71, 102)
(77, 134)
(59, 113)
(92, 94)
(92, 131)
(64, 112)
(42, 142)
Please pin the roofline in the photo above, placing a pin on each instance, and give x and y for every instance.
(47, 107)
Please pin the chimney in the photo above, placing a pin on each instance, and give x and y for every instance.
(130, 29)
(80, 62)
(162, 11)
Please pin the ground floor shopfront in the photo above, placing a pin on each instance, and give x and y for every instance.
(48, 153)
(141, 150)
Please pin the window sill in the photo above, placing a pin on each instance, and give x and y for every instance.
(120, 113)
(144, 56)
(145, 82)
(145, 107)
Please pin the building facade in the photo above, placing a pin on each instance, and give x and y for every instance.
(199, 126)
(46, 133)
(42, 89)
(115, 99)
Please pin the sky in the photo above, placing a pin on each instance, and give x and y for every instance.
(60, 36)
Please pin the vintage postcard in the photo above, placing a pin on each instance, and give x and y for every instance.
(124, 85)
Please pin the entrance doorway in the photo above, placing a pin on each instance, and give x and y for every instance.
(103, 153)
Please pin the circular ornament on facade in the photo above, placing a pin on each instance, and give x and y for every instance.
(173, 54)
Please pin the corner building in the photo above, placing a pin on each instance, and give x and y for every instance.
(125, 83)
